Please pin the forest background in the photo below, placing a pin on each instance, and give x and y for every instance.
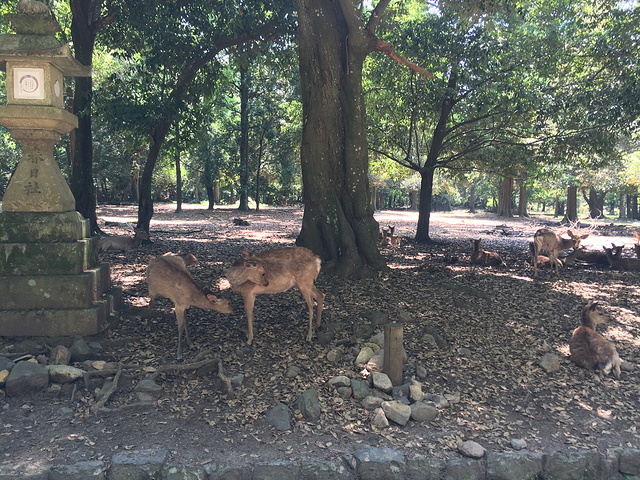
(346, 106)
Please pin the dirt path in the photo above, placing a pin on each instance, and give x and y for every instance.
(496, 324)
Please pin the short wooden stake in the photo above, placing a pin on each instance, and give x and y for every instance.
(392, 365)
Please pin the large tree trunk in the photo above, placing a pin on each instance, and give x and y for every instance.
(424, 210)
(595, 201)
(85, 25)
(504, 199)
(338, 222)
(572, 204)
(472, 198)
(522, 199)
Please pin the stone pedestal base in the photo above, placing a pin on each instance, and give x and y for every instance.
(51, 283)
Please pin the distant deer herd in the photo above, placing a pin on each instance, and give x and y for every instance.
(279, 269)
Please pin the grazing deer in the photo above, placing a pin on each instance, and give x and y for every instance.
(545, 239)
(620, 263)
(167, 277)
(484, 257)
(123, 243)
(591, 350)
(276, 271)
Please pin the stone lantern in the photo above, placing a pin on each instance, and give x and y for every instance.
(50, 280)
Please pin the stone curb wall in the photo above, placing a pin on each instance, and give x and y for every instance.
(370, 463)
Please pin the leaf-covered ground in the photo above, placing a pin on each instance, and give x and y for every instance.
(493, 325)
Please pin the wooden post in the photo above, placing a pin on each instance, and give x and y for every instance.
(392, 365)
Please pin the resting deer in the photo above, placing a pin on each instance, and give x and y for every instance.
(591, 350)
(484, 257)
(168, 277)
(545, 239)
(389, 239)
(621, 263)
(593, 257)
(123, 243)
(276, 271)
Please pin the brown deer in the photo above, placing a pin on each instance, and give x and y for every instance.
(636, 246)
(543, 261)
(275, 271)
(591, 350)
(389, 239)
(484, 257)
(168, 277)
(593, 257)
(185, 259)
(123, 243)
(621, 263)
(545, 239)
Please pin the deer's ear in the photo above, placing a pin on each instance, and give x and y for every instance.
(212, 298)
(584, 236)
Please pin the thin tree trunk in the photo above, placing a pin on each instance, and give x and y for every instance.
(472, 198)
(504, 199)
(572, 204)
(178, 173)
(244, 138)
(424, 210)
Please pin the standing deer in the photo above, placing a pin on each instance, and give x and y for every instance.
(484, 257)
(636, 246)
(545, 239)
(168, 277)
(276, 271)
(591, 350)
(123, 243)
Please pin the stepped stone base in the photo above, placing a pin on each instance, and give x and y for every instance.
(51, 283)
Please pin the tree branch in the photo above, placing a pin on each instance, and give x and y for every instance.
(387, 48)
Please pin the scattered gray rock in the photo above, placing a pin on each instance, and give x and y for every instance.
(371, 403)
(440, 401)
(6, 364)
(376, 362)
(359, 389)
(309, 404)
(144, 397)
(379, 419)
(471, 449)
(397, 412)
(452, 397)
(423, 412)
(382, 382)
(421, 372)
(345, 392)
(61, 373)
(364, 356)
(415, 392)
(26, 378)
(465, 352)
(60, 355)
(335, 354)
(278, 417)
(550, 362)
(80, 351)
(518, 444)
(340, 381)
(146, 385)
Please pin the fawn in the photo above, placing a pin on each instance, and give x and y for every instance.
(275, 271)
(620, 263)
(388, 239)
(483, 257)
(545, 239)
(123, 243)
(167, 277)
(591, 350)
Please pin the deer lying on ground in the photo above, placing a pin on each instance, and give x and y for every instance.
(389, 239)
(591, 350)
(545, 239)
(593, 257)
(484, 257)
(168, 277)
(620, 263)
(276, 271)
(123, 243)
